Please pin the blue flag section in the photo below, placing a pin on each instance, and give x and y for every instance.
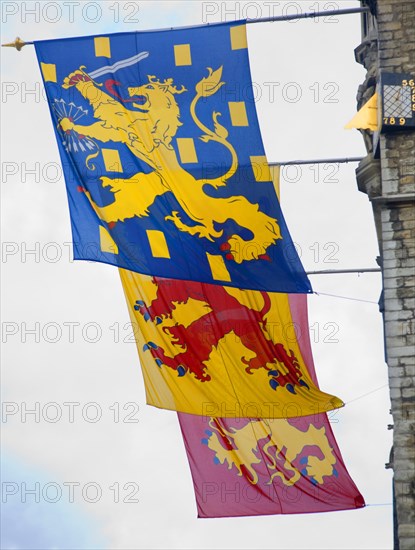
(163, 159)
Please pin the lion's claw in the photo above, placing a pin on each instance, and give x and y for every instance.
(66, 124)
(74, 78)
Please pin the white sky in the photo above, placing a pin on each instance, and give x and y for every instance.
(315, 78)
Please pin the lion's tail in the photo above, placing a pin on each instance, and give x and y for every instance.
(267, 303)
(88, 162)
(219, 134)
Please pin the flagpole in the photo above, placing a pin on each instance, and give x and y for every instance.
(309, 15)
(341, 271)
(19, 43)
(317, 161)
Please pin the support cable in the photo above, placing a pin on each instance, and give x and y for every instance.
(19, 43)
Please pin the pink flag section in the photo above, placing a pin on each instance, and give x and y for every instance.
(243, 467)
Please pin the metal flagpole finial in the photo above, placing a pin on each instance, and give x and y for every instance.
(18, 44)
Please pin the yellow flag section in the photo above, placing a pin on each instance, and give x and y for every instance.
(219, 351)
(367, 117)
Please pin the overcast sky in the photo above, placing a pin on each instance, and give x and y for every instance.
(78, 352)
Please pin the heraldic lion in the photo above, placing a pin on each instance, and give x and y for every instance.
(282, 445)
(224, 314)
(148, 132)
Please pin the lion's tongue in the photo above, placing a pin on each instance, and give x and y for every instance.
(110, 84)
(141, 99)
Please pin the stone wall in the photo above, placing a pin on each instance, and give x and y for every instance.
(390, 184)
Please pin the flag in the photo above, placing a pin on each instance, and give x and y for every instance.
(366, 117)
(219, 351)
(243, 467)
(164, 164)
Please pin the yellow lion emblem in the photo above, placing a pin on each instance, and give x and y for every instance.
(239, 448)
(148, 133)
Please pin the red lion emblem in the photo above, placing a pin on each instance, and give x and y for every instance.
(226, 314)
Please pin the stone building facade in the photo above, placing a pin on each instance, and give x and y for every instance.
(386, 174)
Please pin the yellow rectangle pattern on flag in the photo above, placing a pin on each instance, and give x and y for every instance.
(187, 150)
(112, 160)
(260, 168)
(49, 72)
(102, 46)
(238, 37)
(107, 242)
(158, 243)
(218, 267)
(275, 178)
(237, 111)
(182, 55)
